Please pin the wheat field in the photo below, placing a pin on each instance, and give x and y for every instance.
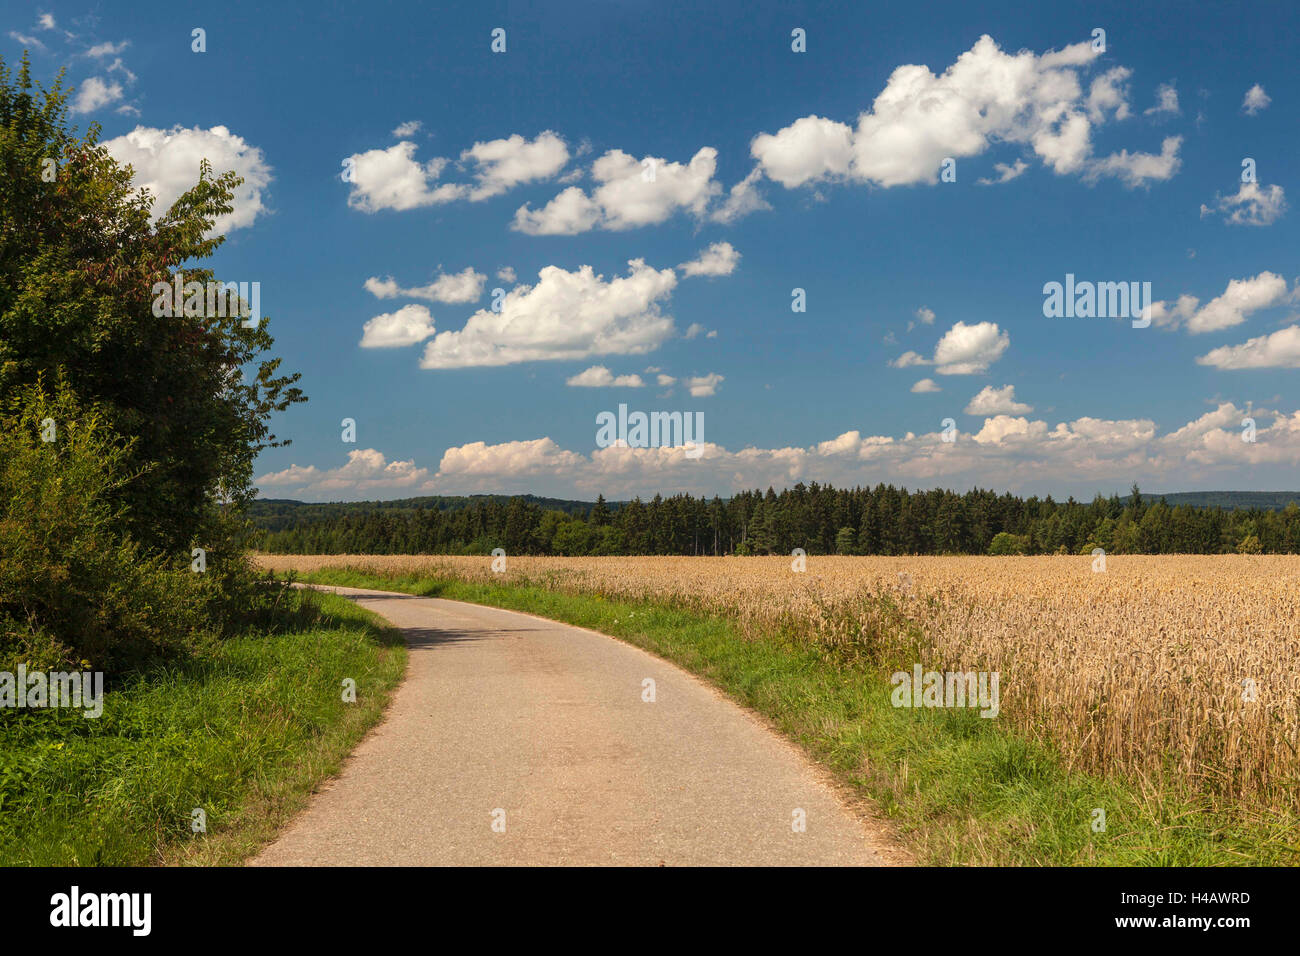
(1156, 667)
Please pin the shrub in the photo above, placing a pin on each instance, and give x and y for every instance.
(73, 588)
(1006, 544)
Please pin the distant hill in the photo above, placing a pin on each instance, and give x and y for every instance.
(1228, 500)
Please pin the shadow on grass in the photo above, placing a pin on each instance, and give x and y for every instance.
(200, 760)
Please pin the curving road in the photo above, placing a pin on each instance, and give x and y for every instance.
(502, 711)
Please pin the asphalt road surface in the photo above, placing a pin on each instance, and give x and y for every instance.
(515, 740)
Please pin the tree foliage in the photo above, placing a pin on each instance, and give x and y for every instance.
(80, 253)
(818, 518)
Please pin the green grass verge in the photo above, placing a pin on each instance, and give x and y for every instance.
(961, 789)
(244, 732)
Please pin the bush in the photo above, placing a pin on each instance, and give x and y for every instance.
(73, 589)
(1007, 544)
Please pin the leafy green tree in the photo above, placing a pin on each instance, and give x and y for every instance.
(1006, 544)
(845, 541)
(1291, 528)
(80, 254)
(574, 538)
(1249, 545)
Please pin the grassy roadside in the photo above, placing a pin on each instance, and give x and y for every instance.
(960, 788)
(244, 732)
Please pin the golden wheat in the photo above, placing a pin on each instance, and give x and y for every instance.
(1185, 665)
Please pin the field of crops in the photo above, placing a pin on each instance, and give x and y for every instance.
(1159, 665)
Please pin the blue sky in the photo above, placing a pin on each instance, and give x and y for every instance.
(773, 170)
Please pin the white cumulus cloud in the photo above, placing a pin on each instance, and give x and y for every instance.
(1085, 451)
(704, 385)
(502, 164)
(95, 93)
(1135, 169)
(1006, 172)
(598, 376)
(392, 179)
(630, 193)
(566, 315)
(1256, 100)
(367, 470)
(1166, 100)
(963, 350)
(719, 259)
(459, 287)
(166, 162)
(1252, 205)
(997, 401)
(407, 326)
(987, 96)
(1241, 298)
(742, 199)
(1281, 349)
(101, 50)
(526, 458)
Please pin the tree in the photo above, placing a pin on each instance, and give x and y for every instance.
(574, 538)
(947, 530)
(758, 532)
(1005, 544)
(80, 255)
(751, 522)
(868, 530)
(1135, 502)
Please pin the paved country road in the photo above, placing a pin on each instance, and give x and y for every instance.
(502, 711)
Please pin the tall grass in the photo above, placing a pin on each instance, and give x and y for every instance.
(242, 731)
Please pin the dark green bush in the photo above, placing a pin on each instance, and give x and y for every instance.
(73, 588)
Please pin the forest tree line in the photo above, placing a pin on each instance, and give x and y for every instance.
(820, 519)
